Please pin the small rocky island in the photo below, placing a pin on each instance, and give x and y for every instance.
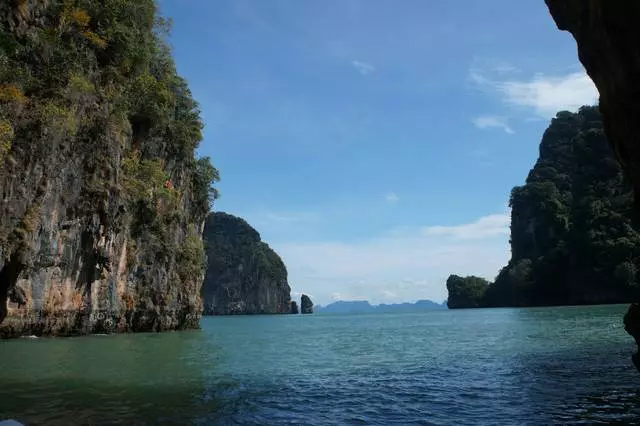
(244, 275)
(306, 305)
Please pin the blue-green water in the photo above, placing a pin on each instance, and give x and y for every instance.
(495, 366)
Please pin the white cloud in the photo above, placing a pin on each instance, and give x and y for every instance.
(487, 226)
(363, 67)
(397, 266)
(386, 294)
(491, 121)
(265, 217)
(545, 94)
(392, 198)
(345, 296)
(292, 216)
(506, 69)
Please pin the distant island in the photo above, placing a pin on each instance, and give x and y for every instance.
(363, 306)
(574, 239)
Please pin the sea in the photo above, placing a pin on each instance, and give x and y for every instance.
(561, 365)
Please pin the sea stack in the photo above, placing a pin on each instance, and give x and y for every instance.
(294, 307)
(306, 305)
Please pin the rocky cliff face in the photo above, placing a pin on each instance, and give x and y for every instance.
(103, 202)
(244, 275)
(572, 225)
(573, 239)
(608, 39)
(306, 305)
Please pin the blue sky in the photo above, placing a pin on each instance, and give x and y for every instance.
(374, 143)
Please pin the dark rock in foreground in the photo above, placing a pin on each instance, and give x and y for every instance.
(608, 39)
(294, 307)
(244, 275)
(306, 305)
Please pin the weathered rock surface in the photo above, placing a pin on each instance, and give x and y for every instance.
(294, 308)
(244, 275)
(103, 202)
(608, 39)
(306, 305)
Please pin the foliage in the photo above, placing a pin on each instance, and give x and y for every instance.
(191, 258)
(6, 138)
(204, 175)
(230, 240)
(573, 239)
(465, 292)
(143, 180)
(12, 94)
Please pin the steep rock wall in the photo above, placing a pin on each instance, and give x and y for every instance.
(244, 275)
(103, 202)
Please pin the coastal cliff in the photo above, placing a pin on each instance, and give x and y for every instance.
(573, 234)
(244, 275)
(103, 200)
(607, 37)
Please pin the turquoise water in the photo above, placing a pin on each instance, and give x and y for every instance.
(493, 366)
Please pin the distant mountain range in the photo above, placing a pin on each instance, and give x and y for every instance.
(363, 307)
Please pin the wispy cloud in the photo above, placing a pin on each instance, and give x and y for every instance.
(386, 294)
(391, 198)
(363, 67)
(492, 121)
(505, 68)
(398, 266)
(291, 216)
(484, 227)
(545, 94)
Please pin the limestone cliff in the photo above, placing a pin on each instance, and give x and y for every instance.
(103, 202)
(306, 305)
(608, 39)
(244, 275)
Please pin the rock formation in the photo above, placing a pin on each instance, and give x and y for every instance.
(608, 40)
(306, 305)
(103, 201)
(244, 275)
(294, 308)
(573, 240)
(466, 292)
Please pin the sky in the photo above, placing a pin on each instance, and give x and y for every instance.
(374, 143)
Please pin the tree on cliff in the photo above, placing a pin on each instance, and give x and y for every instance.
(466, 292)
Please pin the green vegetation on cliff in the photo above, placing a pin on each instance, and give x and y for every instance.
(244, 275)
(466, 292)
(573, 239)
(97, 125)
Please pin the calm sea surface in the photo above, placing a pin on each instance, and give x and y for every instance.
(494, 366)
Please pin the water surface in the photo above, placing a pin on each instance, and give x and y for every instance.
(491, 366)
